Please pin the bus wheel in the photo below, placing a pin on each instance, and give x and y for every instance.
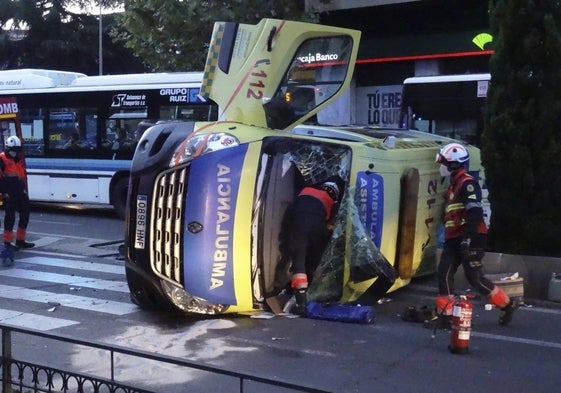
(144, 295)
(119, 196)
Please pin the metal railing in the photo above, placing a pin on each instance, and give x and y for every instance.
(23, 376)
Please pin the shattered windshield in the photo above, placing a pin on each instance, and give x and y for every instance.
(351, 256)
(335, 277)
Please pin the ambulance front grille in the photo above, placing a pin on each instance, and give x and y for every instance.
(167, 210)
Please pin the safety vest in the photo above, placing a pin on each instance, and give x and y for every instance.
(322, 196)
(13, 168)
(454, 213)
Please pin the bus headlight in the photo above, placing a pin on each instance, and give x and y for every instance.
(198, 144)
(189, 303)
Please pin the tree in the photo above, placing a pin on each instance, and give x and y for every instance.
(521, 144)
(46, 34)
(174, 35)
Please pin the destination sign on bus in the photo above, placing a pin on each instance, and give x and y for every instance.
(8, 108)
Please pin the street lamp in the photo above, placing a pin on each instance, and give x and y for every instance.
(100, 41)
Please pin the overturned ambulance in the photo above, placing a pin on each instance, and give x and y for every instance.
(206, 200)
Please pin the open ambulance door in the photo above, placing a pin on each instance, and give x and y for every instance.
(278, 73)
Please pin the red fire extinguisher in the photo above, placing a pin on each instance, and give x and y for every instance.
(461, 325)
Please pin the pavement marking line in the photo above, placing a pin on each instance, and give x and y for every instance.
(518, 340)
(75, 281)
(65, 300)
(33, 321)
(46, 240)
(67, 236)
(74, 264)
(540, 310)
(58, 254)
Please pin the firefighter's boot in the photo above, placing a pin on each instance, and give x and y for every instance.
(22, 243)
(507, 312)
(301, 301)
(506, 305)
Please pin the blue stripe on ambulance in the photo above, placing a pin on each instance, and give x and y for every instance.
(212, 196)
(370, 203)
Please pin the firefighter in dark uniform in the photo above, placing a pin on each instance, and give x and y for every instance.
(309, 230)
(14, 188)
(465, 234)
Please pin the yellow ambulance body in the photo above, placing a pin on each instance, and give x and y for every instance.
(206, 200)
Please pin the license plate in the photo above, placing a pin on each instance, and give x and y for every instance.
(141, 210)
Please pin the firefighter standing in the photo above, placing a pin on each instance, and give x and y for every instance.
(309, 231)
(465, 234)
(14, 188)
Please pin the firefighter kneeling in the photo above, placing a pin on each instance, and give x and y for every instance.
(465, 234)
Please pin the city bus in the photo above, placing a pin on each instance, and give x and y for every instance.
(80, 132)
(448, 105)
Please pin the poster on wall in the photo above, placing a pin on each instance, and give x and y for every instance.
(378, 105)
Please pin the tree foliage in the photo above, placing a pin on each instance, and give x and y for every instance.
(173, 35)
(46, 34)
(521, 147)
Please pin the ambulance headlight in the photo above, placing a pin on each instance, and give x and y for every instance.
(198, 144)
(189, 303)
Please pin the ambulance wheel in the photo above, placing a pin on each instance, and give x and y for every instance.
(144, 295)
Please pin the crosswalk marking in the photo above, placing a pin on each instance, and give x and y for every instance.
(66, 300)
(74, 264)
(32, 321)
(46, 240)
(79, 281)
(106, 279)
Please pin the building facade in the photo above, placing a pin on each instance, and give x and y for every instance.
(401, 39)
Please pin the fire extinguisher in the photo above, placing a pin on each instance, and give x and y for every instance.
(461, 325)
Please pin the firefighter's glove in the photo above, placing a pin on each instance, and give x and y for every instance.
(470, 253)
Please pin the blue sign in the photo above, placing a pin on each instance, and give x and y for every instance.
(370, 202)
(211, 202)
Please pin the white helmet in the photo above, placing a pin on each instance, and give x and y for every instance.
(332, 189)
(452, 152)
(12, 142)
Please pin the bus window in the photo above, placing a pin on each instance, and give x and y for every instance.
(33, 130)
(188, 112)
(120, 135)
(448, 105)
(72, 129)
(80, 135)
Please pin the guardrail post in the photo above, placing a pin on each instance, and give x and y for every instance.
(6, 360)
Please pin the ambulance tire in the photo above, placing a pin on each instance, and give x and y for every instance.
(144, 295)
(118, 196)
